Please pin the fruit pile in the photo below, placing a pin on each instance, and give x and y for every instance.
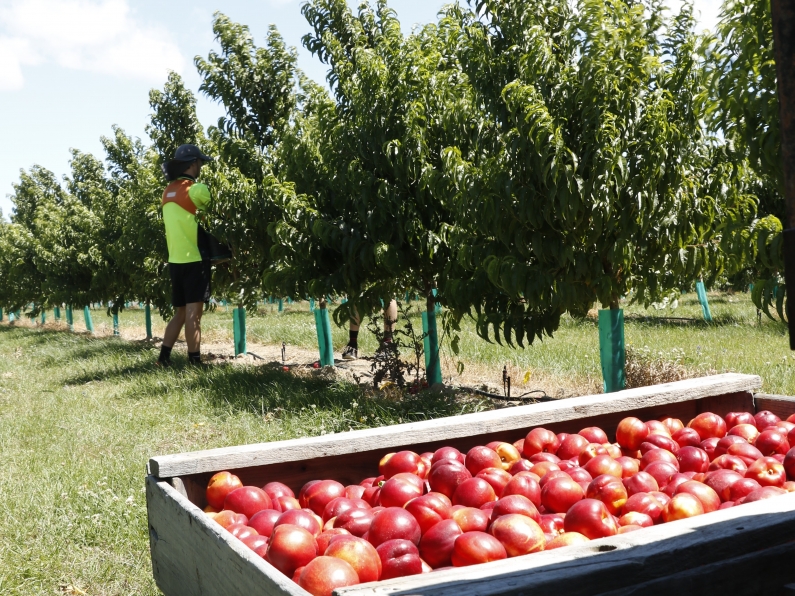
(435, 510)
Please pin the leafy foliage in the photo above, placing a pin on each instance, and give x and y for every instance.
(742, 73)
(257, 88)
(595, 179)
(370, 211)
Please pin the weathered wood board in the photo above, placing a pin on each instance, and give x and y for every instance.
(654, 557)
(349, 457)
(191, 555)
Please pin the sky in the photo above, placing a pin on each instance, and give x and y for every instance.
(71, 69)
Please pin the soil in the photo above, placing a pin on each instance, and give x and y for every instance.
(476, 376)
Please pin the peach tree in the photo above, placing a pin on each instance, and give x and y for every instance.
(595, 182)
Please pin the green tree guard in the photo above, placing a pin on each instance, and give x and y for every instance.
(281, 304)
(311, 306)
(11, 317)
(87, 317)
(289, 300)
(56, 313)
(611, 348)
(701, 292)
(323, 326)
(70, 321)
(148, 316)
(43, 317)
(116, 324)
(1, 314)
(239, 324)
(433, 367)
(438, 306)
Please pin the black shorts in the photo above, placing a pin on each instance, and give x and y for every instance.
(190, 282)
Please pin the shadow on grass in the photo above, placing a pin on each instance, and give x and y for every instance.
(723, 320)
(232, 387)
(265, 389)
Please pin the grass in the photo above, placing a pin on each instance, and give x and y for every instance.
(80, 416)
(565, 365)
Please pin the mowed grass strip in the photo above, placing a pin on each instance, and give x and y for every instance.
(80, 416)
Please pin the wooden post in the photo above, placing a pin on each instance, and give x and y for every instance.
(783, 14)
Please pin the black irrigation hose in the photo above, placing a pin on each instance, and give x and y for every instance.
(524, 396)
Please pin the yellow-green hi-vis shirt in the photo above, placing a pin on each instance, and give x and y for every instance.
(181, 200)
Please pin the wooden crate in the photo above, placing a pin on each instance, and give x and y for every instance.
(743, 550)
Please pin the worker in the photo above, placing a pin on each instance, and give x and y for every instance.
(351, 350)
(183, 198)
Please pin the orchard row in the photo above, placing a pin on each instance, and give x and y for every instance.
(446, 509)
(520, 175)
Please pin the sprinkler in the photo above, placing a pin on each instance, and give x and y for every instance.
(284, 352)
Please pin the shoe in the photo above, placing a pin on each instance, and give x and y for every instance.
(350, 353)
(385, 348)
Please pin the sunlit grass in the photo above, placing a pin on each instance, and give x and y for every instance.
(80, 416)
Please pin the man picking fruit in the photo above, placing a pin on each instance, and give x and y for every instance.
(190, 274)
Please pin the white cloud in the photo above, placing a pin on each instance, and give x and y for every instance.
(99, 36)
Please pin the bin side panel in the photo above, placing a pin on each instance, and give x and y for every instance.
(616, 563)
(192, 555)
(500, 422)
(760, 572)
(352, 468)
(782, 406)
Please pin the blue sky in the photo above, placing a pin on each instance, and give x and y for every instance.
(71, 69)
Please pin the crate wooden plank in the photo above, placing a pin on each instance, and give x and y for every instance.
(761, 572)
(649, 555)
(351, 468)
(448, 429)
(192, 555)
(781, 405)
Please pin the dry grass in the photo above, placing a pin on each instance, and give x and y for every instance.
(646, 367)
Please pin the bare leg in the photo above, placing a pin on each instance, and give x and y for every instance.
(390, 317)
(193, 328)
(174, 327)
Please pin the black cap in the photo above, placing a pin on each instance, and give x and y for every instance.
(184, 154)
(190, 152)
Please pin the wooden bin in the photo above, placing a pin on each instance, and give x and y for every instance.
(742, 550)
